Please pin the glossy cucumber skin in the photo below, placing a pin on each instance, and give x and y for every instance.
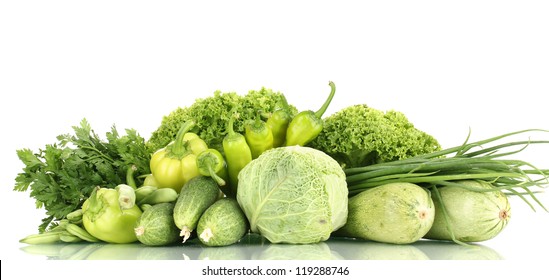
(222, 224)
(197, 195)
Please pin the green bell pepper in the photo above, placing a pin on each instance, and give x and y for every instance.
(174, 165)
(106, 219)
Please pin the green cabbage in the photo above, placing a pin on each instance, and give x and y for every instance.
(294, 195)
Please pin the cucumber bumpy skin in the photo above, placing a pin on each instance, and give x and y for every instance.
(195, 197)
(156, 227)
(222, 224)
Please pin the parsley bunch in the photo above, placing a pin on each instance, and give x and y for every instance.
(63, 175)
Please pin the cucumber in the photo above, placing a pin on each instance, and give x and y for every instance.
(473, 215)
(195, 197)
(222, 224)
(395, 213)
(155, 227)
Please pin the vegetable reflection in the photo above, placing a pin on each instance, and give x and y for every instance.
(255, 247)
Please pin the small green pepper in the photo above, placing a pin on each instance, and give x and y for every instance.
(259, 136)
(306, 125)
(211, 163)
(237, 154)
(278, 121)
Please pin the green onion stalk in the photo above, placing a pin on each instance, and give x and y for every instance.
(469, 161)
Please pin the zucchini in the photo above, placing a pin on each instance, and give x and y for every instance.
(155, 227)
(395, 213)
(222, 224)
(472, 215)
(195, 197)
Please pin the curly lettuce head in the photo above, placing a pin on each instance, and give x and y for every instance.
(294, 195)
(212, 114)
(359, 135)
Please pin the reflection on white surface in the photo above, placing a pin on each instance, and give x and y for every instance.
(366, 250)
(254, 247)
(451, 251)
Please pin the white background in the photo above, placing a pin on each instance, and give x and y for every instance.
(449, 66)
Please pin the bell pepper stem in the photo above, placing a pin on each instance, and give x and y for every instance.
(179, 144)
(322, 109)
(257, 120)
(126, 196)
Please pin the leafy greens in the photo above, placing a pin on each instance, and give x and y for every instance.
(63, 175)
(212, 114)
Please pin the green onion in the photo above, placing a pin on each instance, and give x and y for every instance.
(475, 160)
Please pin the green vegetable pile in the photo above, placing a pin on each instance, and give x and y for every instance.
(228, 165)
(211, 115)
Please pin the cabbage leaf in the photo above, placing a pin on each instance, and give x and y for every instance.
(294, 195)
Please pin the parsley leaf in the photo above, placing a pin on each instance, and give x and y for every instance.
(62, 175)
